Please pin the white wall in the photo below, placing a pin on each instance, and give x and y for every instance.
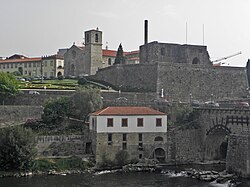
(149, 124)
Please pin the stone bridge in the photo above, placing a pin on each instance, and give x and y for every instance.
(216, 125)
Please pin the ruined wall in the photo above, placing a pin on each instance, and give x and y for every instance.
(179, 80)
(130, 77)
(238, 154)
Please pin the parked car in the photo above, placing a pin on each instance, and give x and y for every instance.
(212, 104)
(195, 103)
(121, 99)
(34, 92)
(242, 105)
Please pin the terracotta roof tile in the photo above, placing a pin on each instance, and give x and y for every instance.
(127, 111)
(21, 60)
(111, 53)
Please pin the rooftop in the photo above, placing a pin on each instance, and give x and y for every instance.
(120, 110)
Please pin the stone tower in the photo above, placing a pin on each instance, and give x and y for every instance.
(93, 46)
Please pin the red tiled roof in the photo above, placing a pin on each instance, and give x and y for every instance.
(106, 52)
(127, 111)
(21, 60)
(131, 52)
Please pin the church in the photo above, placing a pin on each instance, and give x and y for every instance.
(88, 59)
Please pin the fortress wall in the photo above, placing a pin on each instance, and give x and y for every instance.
(179, 80)
(134, 77)
(238, 154)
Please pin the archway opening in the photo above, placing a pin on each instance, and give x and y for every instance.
(59, 74)
(196, 61)
(159, 154)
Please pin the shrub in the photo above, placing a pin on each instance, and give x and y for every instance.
(82, 81)
(60, 77)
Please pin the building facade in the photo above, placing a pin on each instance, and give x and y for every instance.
(141, 131)
(49, 66)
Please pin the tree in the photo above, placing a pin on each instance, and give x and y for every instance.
(17, 148)
(119, 59)
(55, 111)
(85, 101)
(8, 85)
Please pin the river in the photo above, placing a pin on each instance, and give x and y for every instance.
(109, 179)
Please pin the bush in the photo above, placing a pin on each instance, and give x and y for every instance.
(17, 148)
(82, 81)
(60, 77)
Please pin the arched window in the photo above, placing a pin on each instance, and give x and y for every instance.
(96, 38)
(163, 51)
(158, 139)
(196, 61)
(109, 61)
(72, 69)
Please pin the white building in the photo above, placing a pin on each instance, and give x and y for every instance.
(141, 131)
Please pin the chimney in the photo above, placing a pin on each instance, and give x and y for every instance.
(146, 31)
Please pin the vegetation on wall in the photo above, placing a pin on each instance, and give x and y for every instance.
(17, 148)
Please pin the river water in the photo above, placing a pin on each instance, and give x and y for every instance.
(109, 179)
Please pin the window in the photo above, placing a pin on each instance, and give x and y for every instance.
(11, 65)
(158, 139)
(139, 122)
(3, 66)
(162, 51)
(25, 72)
(140, 146)
(51, 63)
(140, 156)
(140, 137)
(125, 122)
(124, 137)
(15, 65)
(8, 65)
(30, 65)
(87, 38)
(158, 122)
(25, 65)
(110, 122)
(109, 139)
(124, 146)
(45, 63)
(0, 66)
(109, 61)
(34, 64)
(96, 37)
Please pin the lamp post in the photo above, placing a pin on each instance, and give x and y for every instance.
(190, 98)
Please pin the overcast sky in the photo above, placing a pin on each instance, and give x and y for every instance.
(41, 27)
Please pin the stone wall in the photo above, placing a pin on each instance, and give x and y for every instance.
(238, 154)
(179, 80)
(49, 146)
(103, 149)
(134, 77)
(18, 114)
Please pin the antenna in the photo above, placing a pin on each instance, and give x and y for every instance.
(107, 47)
(203, 31)
(186, 32)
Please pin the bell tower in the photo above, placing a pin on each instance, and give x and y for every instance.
(93, 45)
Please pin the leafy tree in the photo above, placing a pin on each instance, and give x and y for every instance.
(82, 81)
(119, 59)
(85, 101)
(54, 112)
(8, 85)
(17, 148)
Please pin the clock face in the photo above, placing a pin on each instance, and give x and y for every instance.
(73, 54)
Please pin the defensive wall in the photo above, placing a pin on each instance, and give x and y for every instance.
(238, 154)
(179, 81)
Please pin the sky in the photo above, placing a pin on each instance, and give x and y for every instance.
(40, 27)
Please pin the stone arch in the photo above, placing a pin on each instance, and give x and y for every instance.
(216, 140)
(160, 154)
(196, 61)
(59, 74)
(158, 139)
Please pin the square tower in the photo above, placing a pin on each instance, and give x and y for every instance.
(93, 46)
